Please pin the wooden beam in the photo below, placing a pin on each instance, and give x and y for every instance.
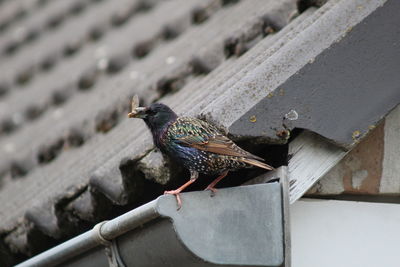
(311, 158)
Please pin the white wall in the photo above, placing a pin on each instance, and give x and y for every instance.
(330, 233)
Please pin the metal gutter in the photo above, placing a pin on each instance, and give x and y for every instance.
(240, 226)
(93, 238)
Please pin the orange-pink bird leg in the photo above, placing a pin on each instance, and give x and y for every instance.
(176, 192)
(216, 181)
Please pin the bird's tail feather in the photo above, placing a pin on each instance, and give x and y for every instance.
(257, 163)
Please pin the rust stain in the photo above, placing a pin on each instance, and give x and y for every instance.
(284, 134)
(363, 165)
(253, 118)
(356, 135)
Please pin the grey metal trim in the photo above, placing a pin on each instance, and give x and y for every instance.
(282, 173)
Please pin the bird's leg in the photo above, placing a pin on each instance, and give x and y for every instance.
(176, 192)
(212, 185)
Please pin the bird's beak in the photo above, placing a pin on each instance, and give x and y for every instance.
(139, 112)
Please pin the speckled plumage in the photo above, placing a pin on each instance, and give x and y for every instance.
(196, 144)
(182, 139)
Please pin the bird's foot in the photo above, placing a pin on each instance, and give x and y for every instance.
(176, 193)
(211, 186)
(212, 189)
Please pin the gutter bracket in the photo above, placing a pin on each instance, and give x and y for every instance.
(111, 247)
(113, 255)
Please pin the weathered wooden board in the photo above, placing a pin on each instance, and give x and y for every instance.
(311, 158)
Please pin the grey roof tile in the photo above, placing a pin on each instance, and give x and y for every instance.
(10, 13)
(18, 32)
(69, 72)
(74, 66)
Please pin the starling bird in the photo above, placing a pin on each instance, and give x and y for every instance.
(196, 144)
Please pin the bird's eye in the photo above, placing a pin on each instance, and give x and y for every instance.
(151, 112)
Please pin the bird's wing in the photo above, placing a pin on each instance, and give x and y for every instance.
(220, 144)
(203, 136)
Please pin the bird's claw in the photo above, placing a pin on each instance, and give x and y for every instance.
(176, 193)
(212, 189)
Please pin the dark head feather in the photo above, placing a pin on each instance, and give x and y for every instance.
(157, 116)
